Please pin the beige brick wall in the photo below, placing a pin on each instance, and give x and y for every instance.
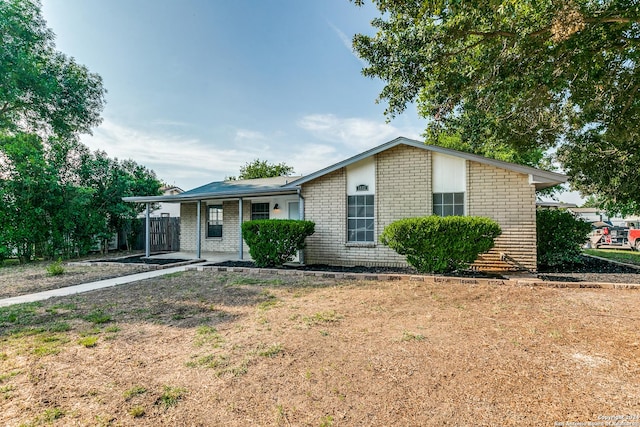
(508, 198)
(403, 184)
(403, 189)
(230, 233)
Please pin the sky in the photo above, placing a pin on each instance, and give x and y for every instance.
(198, 88)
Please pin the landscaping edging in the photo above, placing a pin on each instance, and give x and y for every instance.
(416, 278)
(143, 265)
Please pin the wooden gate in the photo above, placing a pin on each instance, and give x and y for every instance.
(164, 234)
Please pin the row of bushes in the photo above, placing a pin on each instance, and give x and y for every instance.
(431, 244)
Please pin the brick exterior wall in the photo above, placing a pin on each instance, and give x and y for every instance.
(403, 189)
(508, 198)
(230, 234)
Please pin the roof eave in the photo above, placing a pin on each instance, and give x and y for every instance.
(543, 179)
(211, 196)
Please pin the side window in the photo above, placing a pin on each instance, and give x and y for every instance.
(447, 204)
(259, 211)
(294, 210)
(214, 221)
(360, 218)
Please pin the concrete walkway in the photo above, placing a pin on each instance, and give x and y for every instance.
(86, 287)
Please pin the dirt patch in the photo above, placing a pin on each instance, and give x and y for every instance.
(217, 348)
(29, 278)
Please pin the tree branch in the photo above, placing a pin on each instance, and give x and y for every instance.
(511, 34)
(632, 95)
(611, 20)
(5, 108)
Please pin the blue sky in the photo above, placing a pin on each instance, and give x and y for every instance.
(198, 88)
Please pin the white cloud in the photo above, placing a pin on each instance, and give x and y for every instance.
(346, 41)
(188, 161)
(180, 160)
(251, 135)
(311, 157)
(171, 123)
(356, 132)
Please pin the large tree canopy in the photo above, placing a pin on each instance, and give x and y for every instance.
(42, 90)
(56, 197)
(262, 169)
(530, 75)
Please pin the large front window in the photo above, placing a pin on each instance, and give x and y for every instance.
(447, 204)
(360, 219)
(259, 211)
(214, 221)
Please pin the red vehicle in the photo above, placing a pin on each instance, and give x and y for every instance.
(634, 238)
(609, 236)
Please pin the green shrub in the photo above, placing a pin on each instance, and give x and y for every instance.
(5, 252)
(55, 268)
(560, 237)
(436, 244)
(275, 241)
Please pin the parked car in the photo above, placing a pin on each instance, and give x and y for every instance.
(605, 235)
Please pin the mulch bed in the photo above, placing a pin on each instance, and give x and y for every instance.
(592, 269)
(141, 259)
(355, 269)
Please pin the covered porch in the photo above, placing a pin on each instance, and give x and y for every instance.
(211, 216)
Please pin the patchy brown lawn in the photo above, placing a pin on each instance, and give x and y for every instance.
(205, 348)
(34, 277)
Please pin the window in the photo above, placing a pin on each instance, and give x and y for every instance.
(360, 220)
(294, 210)
(259, 211)
(214, 221)
(447, 204)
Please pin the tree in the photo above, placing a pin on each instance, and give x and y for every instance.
(42, 90)
(526, 75)
(261, 169)
(56, 196)
(110, 181)
(28, 194)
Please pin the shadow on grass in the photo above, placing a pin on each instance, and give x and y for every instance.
(182, 300)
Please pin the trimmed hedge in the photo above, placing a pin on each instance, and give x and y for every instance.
(560, 237)
(436, 244)
(273, 242)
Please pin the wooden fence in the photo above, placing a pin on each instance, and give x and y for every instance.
(164, 234)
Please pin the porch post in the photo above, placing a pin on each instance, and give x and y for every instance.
(240, 242)
(198, 229)
(301, 216)
(147, 236)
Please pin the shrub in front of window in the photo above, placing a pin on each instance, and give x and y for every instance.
(560, 237)
(434, 244)
(273, 242)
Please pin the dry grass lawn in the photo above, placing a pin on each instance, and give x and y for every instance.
(232, 349)
(34, 277)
